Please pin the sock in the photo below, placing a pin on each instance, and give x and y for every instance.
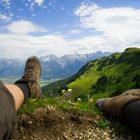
(25, 90)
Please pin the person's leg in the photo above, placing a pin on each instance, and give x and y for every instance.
(125, 107)
(28, 85)
(115, 105)
(7, 113)
(13, 95)
(17, 94)
(131, 115)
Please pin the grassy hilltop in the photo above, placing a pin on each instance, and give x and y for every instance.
(106, 76)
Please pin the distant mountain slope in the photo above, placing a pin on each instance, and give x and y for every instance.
(111, 75)
(53, 67)
(11, 67)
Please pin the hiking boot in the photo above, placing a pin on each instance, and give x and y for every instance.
(31, 77)
(100, 102)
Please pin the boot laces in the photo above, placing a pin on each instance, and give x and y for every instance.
(30, 74)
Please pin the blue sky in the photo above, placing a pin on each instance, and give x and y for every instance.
(43, 27)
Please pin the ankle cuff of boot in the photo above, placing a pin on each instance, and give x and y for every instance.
(25, 90)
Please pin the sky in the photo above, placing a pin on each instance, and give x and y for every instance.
(60, 27)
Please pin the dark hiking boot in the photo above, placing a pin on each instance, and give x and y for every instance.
(31, 77)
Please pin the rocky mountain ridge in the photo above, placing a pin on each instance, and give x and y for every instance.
(53, 67)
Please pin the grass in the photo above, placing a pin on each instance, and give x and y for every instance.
(102, 124)
(61, 103)
(31, 104)
(83, 84)
(64, 103)
(116, 70)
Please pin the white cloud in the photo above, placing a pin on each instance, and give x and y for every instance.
(5, 11)
(24, 27)
(92, 44)
(75, 31)
(117, 27)
(3, 17)
(22, 46)
(6, 2)
(86, 9)
(118, 22)
(39, 2)
(31, 4)
(52, 3)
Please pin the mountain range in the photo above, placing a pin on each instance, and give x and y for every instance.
(53, 67)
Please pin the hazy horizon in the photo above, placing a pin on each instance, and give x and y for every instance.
(43, 27)
(49, 55)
